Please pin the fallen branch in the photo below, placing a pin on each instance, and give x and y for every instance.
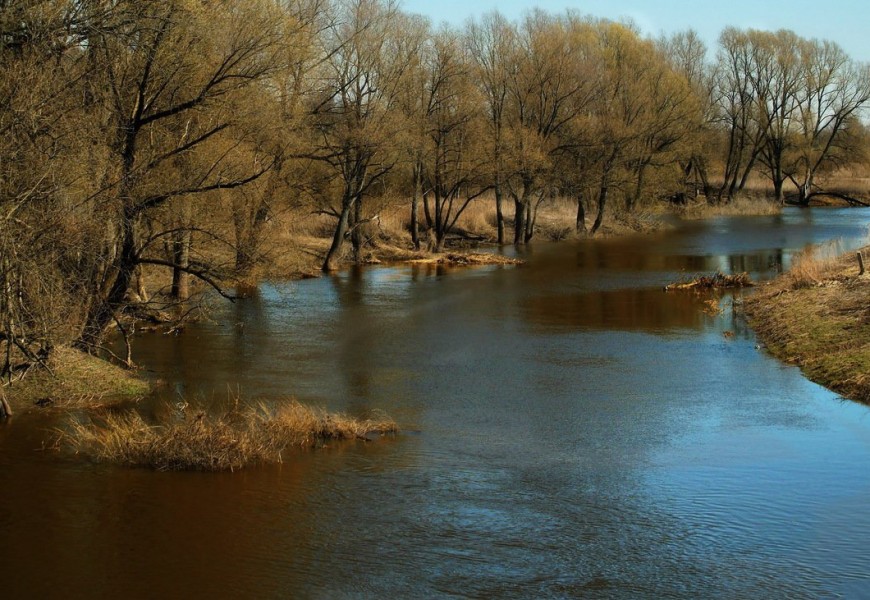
(715, 281)
(839, 195)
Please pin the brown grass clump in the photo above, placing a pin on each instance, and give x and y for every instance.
(811, 266)
(201, 442)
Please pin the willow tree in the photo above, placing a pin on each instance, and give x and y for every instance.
(735, 98)
(686, 53)
(832, 93)
(278, 128)
(667, 120)
(635, 94)
(546, 92)
(491, 44)
(165, 75)
(775, 73)
(356, 119)
(454, 167)
(44, 233)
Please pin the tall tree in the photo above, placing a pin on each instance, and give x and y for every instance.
(452, 118)
(170, 71)
(833, 91)
(356, 118)
(492, 44)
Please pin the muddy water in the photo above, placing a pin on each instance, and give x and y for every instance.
(572, 431)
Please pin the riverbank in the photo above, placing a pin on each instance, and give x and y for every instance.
(107, 427)
(71, 379)
(817, 316)
(294, 248)
(295, 245)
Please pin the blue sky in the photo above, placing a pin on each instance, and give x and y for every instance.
(846, 22)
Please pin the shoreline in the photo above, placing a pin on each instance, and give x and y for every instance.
(81, 381)
(817, 317)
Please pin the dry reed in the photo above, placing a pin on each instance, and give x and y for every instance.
(812, 265)
(742, 205)
(201, 442)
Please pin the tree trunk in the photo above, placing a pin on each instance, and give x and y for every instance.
(356, 235)
(330, 263)
(804, 191)
(634, 199)
(499, 215)
(415, 227)
(427, 213)
(5, 409)
(181, 259)
(103, 307)
(602, 201)
(141, 291)
(777, 189)
(530, 222)
(580, 225)
(701, 170)
(519, 222)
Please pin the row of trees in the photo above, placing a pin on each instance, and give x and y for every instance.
(136, 133)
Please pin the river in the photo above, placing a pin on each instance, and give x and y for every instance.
(571, 430)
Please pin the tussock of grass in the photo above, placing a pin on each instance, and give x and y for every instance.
(811, 266)
(200, 442)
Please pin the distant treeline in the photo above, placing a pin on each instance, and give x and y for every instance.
(132, 132)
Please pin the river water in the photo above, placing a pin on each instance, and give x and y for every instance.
(571, 430)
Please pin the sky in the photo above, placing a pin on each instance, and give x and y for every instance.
(846, 22)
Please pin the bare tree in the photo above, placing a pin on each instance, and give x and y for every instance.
(492, 44)
(169, 98)
(452, 120)
(356, 120)
(833, 91)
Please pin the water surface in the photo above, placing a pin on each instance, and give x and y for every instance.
(573, 431)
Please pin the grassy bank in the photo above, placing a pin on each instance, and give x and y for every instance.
(202, 442)
(73, 379)
(817, 316)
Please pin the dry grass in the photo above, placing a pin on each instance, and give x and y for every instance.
(75, 380)
(200, 442)
(823, 327)
(466, 259)
(812, 265)
(743, 205)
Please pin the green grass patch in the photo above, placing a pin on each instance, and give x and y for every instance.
(74, 380)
